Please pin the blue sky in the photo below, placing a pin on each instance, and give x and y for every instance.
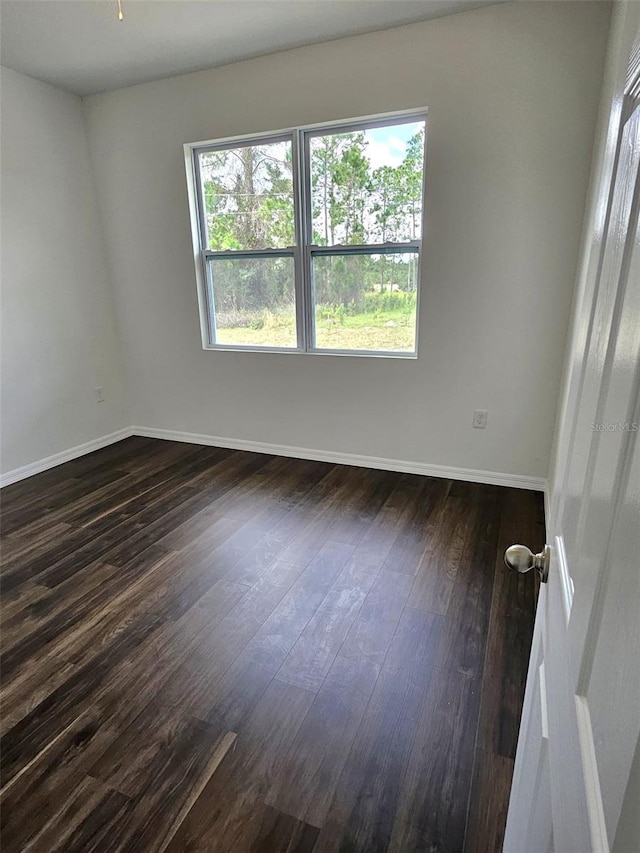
(387, 145)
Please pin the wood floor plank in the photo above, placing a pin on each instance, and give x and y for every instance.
(207, 649)
(192, 683)
(84, 821)
(280, 833)
(138, 671)
(33, 798)
(157, 816)
(489, 801)
(144, 673)
(234, 695)
(163, 652)
(281, 484)
(25, 740)
(112, 456)
(367, 797)
(316, 648)
(323, 517)
(271, 537)
(165, 758)
(176, 463)
(320, 750)
(15, 518)
(467, 617)
(18, 546)
(127, 455)
(228, 814)
(283, 627)
(359, 510)
(44, 606)
(410, 545)
(446, 544)
(85, 628)
(20, 601)
(81, 547)
(376, 622)
(141, 520)
(444, 738)
(317, 756)
(30, 734)
(35, 684)
(52, 618)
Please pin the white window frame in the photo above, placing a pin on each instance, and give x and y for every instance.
(304, 250)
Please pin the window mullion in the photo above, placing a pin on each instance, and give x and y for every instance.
(366, 248)
(300, 277)
(304, 218)
(287, 252)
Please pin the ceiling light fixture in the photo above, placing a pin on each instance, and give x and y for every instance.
(120, 15)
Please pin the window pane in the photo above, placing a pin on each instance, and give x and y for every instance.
(366, 186)
(248, 197)
(254, 301)
(365, 301)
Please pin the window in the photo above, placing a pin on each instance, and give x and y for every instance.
(310, 240)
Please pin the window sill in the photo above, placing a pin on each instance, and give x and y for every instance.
(295, 351)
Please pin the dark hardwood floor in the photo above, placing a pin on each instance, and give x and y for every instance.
(210, 650)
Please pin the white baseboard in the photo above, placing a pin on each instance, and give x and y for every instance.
(64, 456)
(471, 475)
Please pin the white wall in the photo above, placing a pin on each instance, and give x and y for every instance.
(512, 92)
(59, 337)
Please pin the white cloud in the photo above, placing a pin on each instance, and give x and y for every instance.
(391, 152)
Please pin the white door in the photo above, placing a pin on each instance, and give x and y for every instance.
(576, 785)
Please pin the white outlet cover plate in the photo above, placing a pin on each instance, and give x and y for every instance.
(480, 417)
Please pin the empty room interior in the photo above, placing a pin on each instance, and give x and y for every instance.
(320, 506)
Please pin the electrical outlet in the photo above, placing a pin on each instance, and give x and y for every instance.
(99, 392)
(480, 418)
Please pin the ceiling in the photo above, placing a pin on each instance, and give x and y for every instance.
(80, 46)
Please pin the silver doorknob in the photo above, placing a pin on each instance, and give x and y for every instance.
(522, 559)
